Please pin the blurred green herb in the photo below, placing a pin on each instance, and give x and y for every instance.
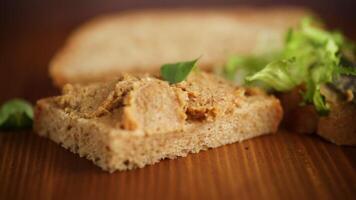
(16, 114)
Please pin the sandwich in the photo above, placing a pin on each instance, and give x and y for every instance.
(236, 43)
(136, 120)
(315, 74)
(122, 107)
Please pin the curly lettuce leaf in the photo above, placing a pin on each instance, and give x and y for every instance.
(277, 75)
(311, 56)
(237, 68)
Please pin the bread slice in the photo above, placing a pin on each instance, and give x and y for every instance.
(338, 127)
(144, 40)
(135, 121)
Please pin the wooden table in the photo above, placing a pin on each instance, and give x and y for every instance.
(281, 166)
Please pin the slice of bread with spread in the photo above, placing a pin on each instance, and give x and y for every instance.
(141, 41)
(337, 127)
(138, 120)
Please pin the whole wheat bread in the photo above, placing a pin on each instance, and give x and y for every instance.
(337, 127)
(144, 40)
(134, 121)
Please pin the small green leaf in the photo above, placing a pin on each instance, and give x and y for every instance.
(177, 72)
(16, 114)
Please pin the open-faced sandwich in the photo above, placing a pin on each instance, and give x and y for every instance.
(315, 72)
(122, 107)
(137, 120)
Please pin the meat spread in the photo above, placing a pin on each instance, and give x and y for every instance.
(147, 103)
(208, 96)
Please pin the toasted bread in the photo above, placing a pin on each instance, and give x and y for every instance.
(138, 120)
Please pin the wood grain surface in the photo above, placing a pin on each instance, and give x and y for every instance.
(281, 166)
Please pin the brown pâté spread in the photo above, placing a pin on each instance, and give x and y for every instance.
(150, 104)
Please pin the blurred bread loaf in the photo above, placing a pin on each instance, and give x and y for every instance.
(141, 41)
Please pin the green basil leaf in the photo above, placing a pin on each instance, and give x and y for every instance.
(177, 72)
(16, 114)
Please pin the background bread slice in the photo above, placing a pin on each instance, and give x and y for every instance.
(144, 40)
(338, 127)
(115, 149)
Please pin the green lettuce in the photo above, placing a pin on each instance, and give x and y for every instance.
(311, 56)
(244, 64)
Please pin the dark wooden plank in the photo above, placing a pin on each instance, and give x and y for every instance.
(281, 166)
